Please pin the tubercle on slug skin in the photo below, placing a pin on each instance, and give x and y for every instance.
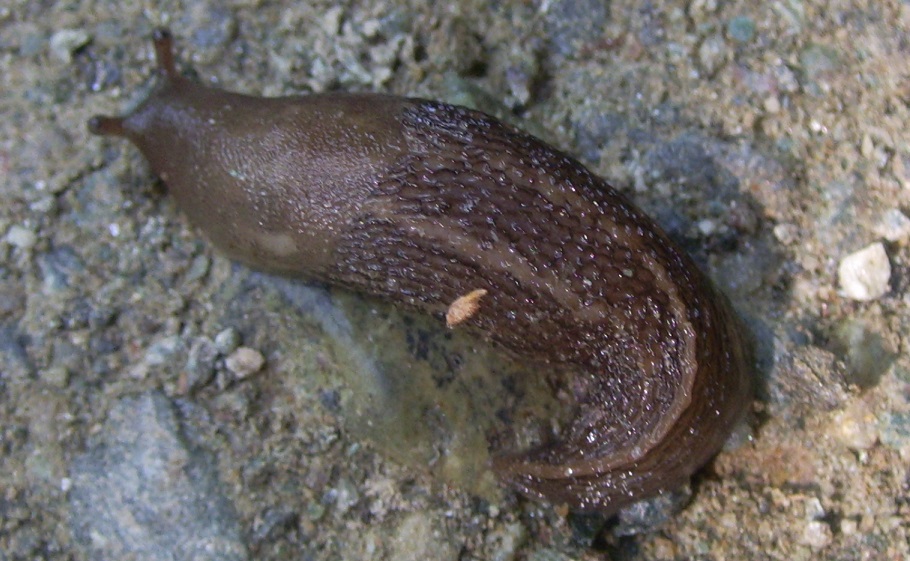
(423, 203)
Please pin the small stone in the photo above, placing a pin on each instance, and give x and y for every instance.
(866, 146)
(712, 54)
(856, 426)
(548, 554)
(331, 21)
(345, 495)
(864, 275)
(895, 431)
(866, 352)
(244, 362)
(67, 41)
(227, 340)
(648, 514)
(706, 227)
(570, 24)
(57, 269)
(420, 537)
(818, 60)
(814, 509)
(772, 105)
(200, 363)
(817, 535)
(505, 541)
(786, 233)
(272, 524)
(20, 237)
(848, 526)
(894, 226)
(56, 376)
(198, 268)
(741, 29)
(163, 350)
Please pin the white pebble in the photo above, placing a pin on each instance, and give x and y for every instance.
(894, 226)
(817, 535)
(244, 361)
(786, 233)
(706, 227)
(814, 509)
(864, 275)
(67, 41)
(772, 105)
(21, 237)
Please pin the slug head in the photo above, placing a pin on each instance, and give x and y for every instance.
(106, 125)
(270, 181)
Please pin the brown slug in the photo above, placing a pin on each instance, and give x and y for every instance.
(429, 205)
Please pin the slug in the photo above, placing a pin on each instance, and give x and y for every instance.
(435, 206)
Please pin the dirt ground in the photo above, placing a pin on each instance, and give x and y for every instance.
(160, 402)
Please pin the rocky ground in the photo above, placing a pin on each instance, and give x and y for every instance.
(160, 402)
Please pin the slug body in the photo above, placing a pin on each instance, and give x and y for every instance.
(423, 203)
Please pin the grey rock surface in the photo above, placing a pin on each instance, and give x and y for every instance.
(143, 491)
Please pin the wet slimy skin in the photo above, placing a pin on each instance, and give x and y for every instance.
(426, 204)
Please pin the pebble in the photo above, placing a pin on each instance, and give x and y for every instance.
(814, 509)
(818, 60)
(894, 226)
(344, 495)
(548, 554)
(707, 227)
(786, 233)
(161, 351)
(817, 535)
(572, 24)
(244, 362)
(648, 514)
(272, 524)
(741, 29)
(856, 426)
(712, 54)
(12, 299)
(418, 538)
(227, 340)
(57, 269)
(895, 430)
(198, 269)
(200, 363)
(772, 105)
(65, 42)
(20, 237)
(864, 350)
(505, 541)
(142, 491)
(864, 275)
(56, 376)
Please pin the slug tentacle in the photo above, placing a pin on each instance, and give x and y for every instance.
(435, 206)
(163, 41)
(106, 126)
